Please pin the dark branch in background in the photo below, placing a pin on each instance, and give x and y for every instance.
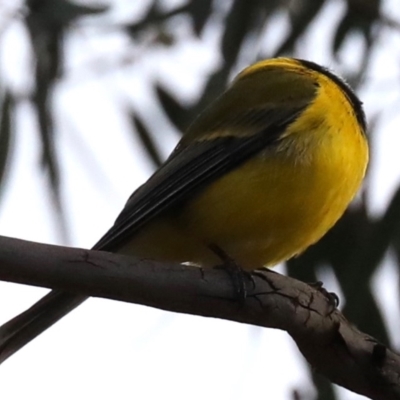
(332, 345)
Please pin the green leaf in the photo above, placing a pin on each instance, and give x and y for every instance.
(146, 139)
(6, 135)
(200, 12)
(301, 14)
(177, 114)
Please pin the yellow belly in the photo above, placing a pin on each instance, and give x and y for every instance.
(267, 210)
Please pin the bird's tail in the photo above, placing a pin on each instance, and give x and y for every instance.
(19, 331)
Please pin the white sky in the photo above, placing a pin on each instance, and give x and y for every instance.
(108, 349)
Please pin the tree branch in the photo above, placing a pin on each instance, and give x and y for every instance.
(333, 346)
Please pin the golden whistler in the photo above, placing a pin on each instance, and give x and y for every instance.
(264, 172)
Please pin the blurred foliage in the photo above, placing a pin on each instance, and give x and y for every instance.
(47, 23)
(354, 249)
(6, 132)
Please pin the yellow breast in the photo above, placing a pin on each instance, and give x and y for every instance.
(286, 199)
(279, 202)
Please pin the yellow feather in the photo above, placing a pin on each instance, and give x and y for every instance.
(282, 200)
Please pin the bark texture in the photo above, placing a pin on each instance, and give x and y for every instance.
(330, 343)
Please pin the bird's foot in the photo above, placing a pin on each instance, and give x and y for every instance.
(333, 298)
(240, 278)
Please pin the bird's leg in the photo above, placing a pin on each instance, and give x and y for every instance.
(237, 274)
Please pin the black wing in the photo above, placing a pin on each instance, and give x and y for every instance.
(191, 168)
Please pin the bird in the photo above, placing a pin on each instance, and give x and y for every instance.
(261, 174)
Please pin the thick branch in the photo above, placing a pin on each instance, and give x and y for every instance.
(327, 340)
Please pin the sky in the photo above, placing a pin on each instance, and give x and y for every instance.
(112, 349)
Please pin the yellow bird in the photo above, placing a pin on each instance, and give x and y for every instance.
(264, 172)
